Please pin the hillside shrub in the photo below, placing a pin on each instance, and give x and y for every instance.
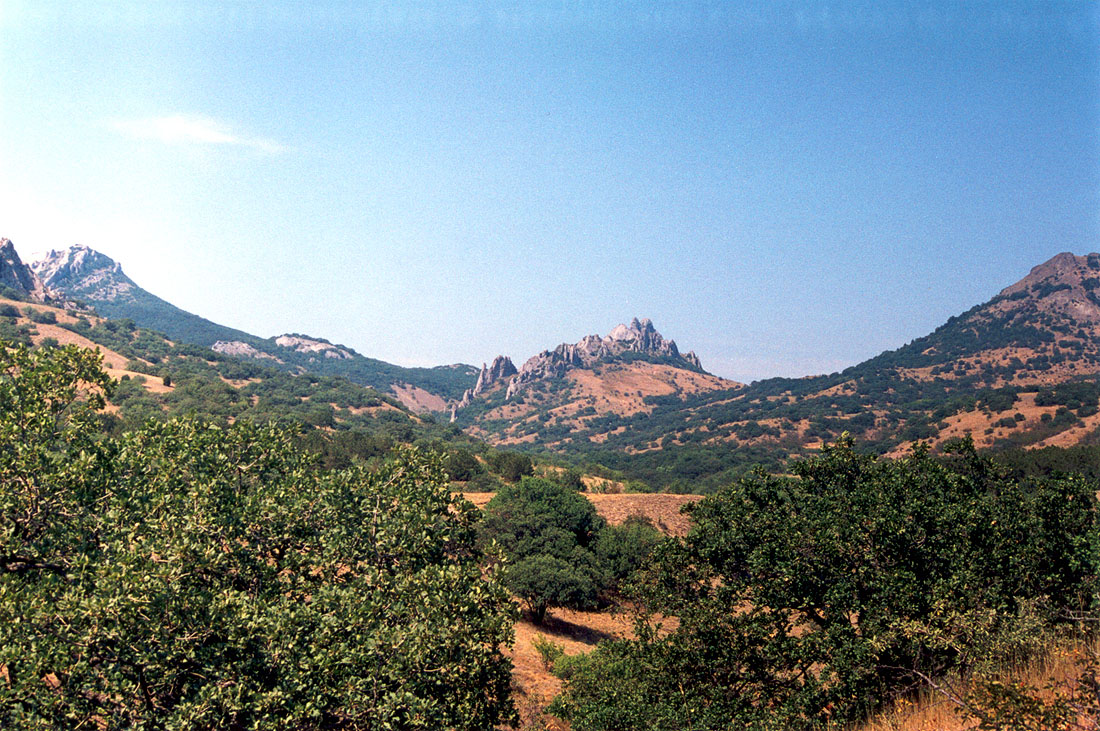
(803, 601)
(546, 533)
(622, 549)
(187, 576)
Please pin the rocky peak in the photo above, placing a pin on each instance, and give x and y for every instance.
(638, 337)
(1066, 285)
(17, 275)
(501, 368)
(85, 273)
(490, 375)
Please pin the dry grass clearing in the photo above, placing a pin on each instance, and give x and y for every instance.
(662, 509)
(931, 711)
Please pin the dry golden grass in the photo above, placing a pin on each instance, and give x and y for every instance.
(662, 509)
(928, 710)
(113, 362)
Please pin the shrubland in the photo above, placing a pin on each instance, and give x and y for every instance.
(187, 575)
(806, 600)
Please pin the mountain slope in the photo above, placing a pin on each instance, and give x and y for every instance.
(84, 274)
(1019, 370)
(569, 392)
(88, 276)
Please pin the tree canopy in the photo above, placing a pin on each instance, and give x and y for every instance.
(189, 576)
(805, 600)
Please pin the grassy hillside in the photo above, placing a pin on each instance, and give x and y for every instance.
(1020, 370)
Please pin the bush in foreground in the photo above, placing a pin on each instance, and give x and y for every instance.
(187, 576)
(805, 601)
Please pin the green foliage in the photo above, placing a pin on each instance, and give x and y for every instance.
(511, 466)
(189, 576)
(42, 317)
(462, 465)
(549, 651)
(622, 549)
(797, 596)
(546, 532)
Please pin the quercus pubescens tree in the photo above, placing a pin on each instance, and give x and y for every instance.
(546, 532)
(187, 576)
(804, 601)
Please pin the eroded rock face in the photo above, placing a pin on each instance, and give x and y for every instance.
(85, 273)
(638, 337)
(17, 275)
(501, 369)
(240, 350)
(303, 344)
(1064, 286)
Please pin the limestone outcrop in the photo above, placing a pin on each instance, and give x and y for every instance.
(17, 276)
(303, 344)
(638, 337)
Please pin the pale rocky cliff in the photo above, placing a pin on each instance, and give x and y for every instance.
(16, 275)
(501, 369)
(638, 337)
(85, 273)
(309, 345)
(241, 350)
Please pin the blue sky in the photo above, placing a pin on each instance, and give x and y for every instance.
(786, 188)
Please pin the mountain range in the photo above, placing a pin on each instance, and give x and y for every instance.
(1018, 370)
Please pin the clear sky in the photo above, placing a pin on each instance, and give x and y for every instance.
(786, 188)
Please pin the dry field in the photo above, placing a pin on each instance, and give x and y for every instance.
(928, 710)
(533, 684)
(661, 508)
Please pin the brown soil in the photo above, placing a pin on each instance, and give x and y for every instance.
(662, 509)
(418, 400)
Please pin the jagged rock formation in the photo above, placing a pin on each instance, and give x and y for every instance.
(17, 275)
(241, 350)
(638, 337)
(489, 376)
(303, 344)
(1066, 285)
(84, 272)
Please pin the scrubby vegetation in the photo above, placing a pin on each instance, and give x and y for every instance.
(557, 551)
(805, 601)
(192, 576)
(242, 547)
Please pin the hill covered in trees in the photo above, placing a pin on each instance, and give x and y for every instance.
(85, 275)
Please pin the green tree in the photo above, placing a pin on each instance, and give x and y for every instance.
(187, 576)
(462, 465)
(511, 466)
(805, 600)
(546, 532)
(622, 549)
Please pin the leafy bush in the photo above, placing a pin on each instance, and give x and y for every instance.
(546, 532)
(188, 576)
(799, 598)
(462, 465)
(42, 317)
(511, 466)
(622, 549)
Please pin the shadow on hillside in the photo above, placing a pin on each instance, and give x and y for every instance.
(559, 627)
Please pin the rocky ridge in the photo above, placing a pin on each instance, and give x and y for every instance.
(1066, 285)
(638, 337)
(18, 276)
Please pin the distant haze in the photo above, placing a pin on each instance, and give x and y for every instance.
(783, 188)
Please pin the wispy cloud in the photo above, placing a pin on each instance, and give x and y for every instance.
(182, 129)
